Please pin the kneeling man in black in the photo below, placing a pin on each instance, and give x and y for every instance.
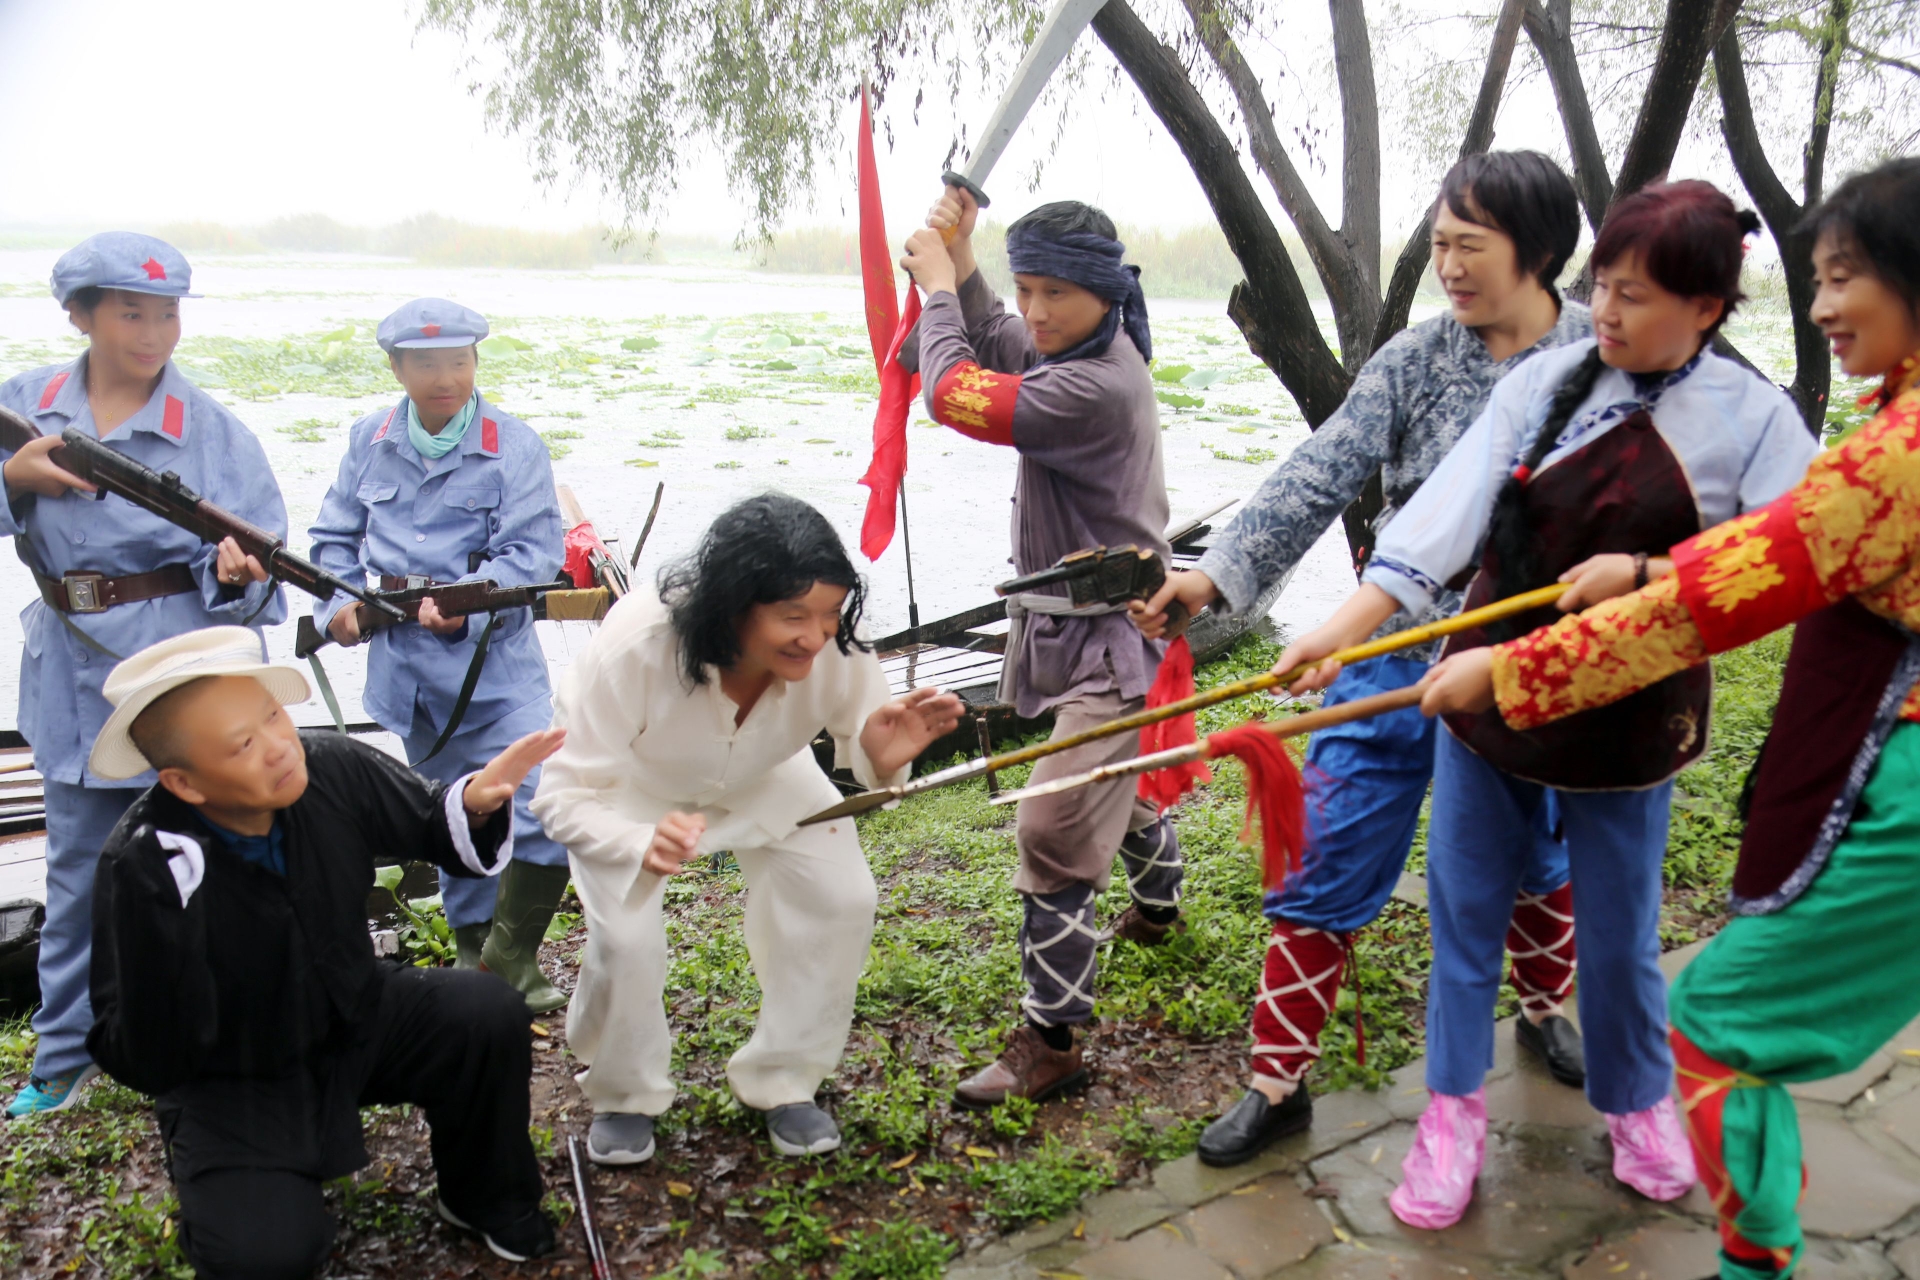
(234, 980)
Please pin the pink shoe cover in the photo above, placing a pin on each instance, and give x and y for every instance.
(1651, 1153)
(1448, 1149)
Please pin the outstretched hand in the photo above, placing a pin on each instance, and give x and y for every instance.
(496, 782)
(899, 731)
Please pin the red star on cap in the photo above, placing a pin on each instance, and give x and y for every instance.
(153, 269)
(429, 330)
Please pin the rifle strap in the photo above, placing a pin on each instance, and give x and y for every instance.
(85, 639)
(467, 687)
(273, 584)
(326, 691)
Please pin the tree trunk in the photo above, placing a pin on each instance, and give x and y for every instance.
(1550, 28)
(1691, 29)
(1813, 367)
(1359, 174)
(1270, 305)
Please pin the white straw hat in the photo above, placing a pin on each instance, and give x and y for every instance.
(134, 685)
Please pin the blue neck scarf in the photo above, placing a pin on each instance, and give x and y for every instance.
(439, 446)
(1094, 263)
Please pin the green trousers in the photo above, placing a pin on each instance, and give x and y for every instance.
(1808, 992)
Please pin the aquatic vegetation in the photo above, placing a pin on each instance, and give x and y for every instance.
(641, 343)
(1253, 455)
(308, 430)
(747, 431)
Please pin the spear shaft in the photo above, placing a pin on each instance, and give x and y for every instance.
(1499, 609)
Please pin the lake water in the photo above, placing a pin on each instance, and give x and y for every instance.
(743, 382)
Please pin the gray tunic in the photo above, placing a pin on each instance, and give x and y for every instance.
(1088, 433)
(1411, 402)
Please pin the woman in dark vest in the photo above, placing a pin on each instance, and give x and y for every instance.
(1817, 970)
(1588, 460)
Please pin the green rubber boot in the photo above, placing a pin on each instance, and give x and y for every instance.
(529, 895)
(468, 939)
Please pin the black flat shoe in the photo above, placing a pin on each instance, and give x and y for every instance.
(1252, 1123)
(1555, 1042)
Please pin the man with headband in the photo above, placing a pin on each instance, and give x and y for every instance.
(1065, 383)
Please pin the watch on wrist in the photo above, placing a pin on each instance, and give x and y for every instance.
(1639, 570)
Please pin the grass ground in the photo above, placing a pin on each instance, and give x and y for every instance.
(916, 1183)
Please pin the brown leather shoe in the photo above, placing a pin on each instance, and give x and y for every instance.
(1133, 926)
(1029, 1068)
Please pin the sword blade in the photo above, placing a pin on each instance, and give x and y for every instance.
(1049, 48)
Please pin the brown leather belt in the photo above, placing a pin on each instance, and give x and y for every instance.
(96, 593)
(405, 581)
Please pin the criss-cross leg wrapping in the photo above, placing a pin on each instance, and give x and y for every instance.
(1540, 940)
(1058, 945)
(1297, 990)
(1151, 857)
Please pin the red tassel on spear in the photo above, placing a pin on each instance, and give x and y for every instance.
(1276, 795)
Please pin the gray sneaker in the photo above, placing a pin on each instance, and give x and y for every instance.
(617, 1138)
(802, 1129)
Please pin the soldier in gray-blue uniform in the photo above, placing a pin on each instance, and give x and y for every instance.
(1504, 225)
(444, 487)
(112, 580)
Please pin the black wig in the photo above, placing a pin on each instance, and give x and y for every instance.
(761, 550)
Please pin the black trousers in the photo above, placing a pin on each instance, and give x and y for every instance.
(455, 1044)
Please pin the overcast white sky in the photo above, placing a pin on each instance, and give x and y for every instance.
(128, 112)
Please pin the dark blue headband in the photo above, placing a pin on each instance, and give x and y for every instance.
(1094, 263)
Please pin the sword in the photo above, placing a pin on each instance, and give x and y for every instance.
(1062, 27)
(869, 800)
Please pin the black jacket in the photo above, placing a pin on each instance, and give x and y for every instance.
(245, 996)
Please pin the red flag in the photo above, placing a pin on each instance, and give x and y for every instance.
(887, 328)
(889, 466)
(876, 260)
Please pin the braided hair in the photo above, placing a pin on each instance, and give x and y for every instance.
(1508, 537)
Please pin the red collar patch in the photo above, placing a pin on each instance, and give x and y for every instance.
(153, 269)
(381, 434)
(173, 420)
(54, 384)
(489, 435)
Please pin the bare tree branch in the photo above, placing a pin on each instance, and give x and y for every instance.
(1813, 369)
(1418, 250)
(1360, 139)
(1550, 28)
(1328, 249)
(1270, 305)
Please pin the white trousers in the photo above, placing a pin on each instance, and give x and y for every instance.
(809, 918)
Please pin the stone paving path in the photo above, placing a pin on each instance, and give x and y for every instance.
(1314, 1207)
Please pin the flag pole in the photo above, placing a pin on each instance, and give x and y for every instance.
(906, 537)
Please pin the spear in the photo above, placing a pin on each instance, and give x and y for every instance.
(869, 800)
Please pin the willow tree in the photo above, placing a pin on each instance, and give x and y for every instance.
(625, 90)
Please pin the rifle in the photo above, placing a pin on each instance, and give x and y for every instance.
(165, 495)
(453, 599)
(583, 1193)
(1105, 575)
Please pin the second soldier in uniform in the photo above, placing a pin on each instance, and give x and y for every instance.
(444, 487)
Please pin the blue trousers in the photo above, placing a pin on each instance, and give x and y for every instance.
(79, 819)
(470, 900)
(1485, 824)
(1365, 782)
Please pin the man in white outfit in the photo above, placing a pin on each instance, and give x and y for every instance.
(690, 719)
